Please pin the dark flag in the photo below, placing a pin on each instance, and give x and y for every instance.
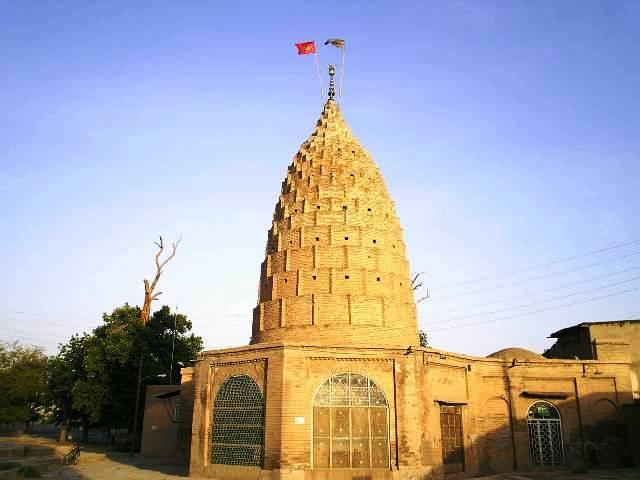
(336, 42)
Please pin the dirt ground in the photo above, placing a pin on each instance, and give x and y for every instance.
(122, 467)
(97, 463)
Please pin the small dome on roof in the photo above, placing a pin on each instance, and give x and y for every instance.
(516, 353)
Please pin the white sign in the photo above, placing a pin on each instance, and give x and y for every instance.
(299, 420)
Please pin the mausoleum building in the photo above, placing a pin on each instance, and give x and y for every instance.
(334, 383)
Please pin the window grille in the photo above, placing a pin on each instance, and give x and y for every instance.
(545, 435)
(238, 423)
(350, 424)
(451, 436)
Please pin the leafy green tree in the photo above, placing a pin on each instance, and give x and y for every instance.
(167, 332)
(21, 382)
(104, 391)
(93, 379)
(107, 394)
(424, 338)
(63, 372)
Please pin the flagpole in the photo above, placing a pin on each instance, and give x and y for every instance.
(315, 55)
(344, 49)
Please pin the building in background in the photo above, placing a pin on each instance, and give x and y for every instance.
(160, 425)
(596, 340)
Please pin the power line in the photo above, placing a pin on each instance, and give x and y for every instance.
(33, 333)
(532, 279)
(233, 315)
(46, 315)
(62, 317)
(538, 302)
(49, 324)
(21, 338)
(535, 293)
(536, 311)
(555, 262)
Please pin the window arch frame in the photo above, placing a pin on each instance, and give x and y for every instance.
(549, 421)
(262, 426)
(600, 415)
(387, 407)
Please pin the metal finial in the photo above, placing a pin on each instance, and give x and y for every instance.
(332, 89)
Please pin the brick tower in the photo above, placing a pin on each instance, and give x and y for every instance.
(336, 270)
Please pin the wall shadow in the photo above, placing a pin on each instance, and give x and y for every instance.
(596, 433)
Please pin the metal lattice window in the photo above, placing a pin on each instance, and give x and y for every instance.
(451, 435)
(350, 424)
(545, 435)
(237, 436)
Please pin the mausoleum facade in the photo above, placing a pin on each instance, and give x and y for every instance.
(334, 384)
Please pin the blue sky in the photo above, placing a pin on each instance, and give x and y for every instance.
(507, 133)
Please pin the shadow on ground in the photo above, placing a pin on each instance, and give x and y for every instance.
(96, 461)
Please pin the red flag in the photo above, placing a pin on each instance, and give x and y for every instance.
(305, 48)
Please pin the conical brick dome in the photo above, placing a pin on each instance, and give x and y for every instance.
(336, 271)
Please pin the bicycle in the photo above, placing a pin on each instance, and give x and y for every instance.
(73, 457)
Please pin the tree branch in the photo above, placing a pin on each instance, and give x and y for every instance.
(424, 298)
(149, 287)
(160, 249)
(173, 253)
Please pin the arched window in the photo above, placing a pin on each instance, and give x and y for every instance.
(238, 423)
(545, 435)
(350, 424)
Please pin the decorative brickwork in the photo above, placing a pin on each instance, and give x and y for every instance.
(336, 269)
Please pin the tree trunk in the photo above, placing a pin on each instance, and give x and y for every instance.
(64, 432)
(85, 431)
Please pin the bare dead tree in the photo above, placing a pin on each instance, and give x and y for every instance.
(414, 281)
(416, 284)
(149, 287)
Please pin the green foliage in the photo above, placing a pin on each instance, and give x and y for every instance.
(8, 466)
(21, 382)
(424, 338)
(63, 373)
(93, 379)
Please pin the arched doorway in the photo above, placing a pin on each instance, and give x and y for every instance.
(606, 437)
(498, 442)
(237, 436)
(350, 424)
(545, 435)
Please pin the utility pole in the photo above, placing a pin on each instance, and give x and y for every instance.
(134, 435)
(173, 343)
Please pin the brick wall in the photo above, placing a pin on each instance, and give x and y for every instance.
(159, 432)
(185, 419)
(494, 395)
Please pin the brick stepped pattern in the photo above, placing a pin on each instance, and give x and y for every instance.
(336, 270)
